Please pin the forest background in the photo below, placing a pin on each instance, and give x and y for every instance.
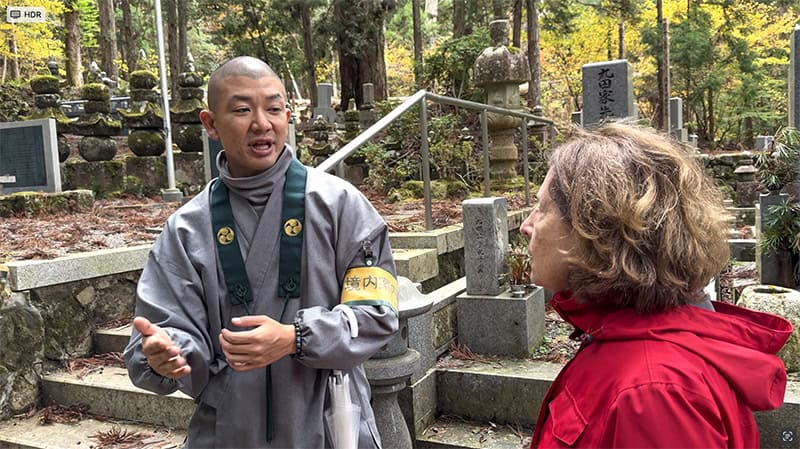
(728, 59)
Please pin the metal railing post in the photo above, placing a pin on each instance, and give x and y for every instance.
(526, 162)
(487, 188)
(426, 166)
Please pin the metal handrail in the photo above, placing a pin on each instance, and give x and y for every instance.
(335, 160)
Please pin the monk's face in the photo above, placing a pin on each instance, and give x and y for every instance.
(251, 121)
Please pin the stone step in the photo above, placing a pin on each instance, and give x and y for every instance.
(112, 340)
(503, 391)
(109, 392)
(509, 392)
(449, 432)
(30, 433)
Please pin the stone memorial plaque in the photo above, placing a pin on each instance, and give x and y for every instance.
(324, 95)
(675, 113)
(607, 91)
(29, 153)
(486, 238)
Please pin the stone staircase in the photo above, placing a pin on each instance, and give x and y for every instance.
(110, 405)
(484, 403)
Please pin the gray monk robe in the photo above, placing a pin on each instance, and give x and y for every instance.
(182, 289)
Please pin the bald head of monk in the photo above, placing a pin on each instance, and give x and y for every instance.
(246, 66)
(247, 113)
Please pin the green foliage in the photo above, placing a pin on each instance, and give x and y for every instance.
(518, 263)
(397, 159)
(448, 66)
(781, 228)
(89, 24)
(779, 166)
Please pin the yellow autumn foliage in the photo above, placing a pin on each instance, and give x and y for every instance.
(35, 42)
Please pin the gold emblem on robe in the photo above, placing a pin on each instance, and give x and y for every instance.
(225, 235)
(292, 227)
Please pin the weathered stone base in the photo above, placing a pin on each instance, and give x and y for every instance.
(29, 204)
(135, 175)
(501, 325)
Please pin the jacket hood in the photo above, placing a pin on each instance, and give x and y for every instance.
(729, 338)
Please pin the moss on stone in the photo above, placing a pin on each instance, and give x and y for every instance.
(146, 143)
(134, 186)
(96, 91)
(45, 84)
(143, 79)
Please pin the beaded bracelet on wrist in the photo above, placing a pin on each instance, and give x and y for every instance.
(298, 340)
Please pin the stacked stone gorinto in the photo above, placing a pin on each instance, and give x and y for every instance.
(185, 113)
(96, 125)
(47, 94)
(144, 116)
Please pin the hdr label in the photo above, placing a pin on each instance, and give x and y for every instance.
(25, 14)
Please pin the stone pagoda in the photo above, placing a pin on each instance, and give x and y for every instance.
(144, 116)
(96, 125)
(500, 70)
(47, 95)
(187, 130)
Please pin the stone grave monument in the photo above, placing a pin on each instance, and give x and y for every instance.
(366, 115)
(763, 143)
(607, 92)
(490, 320)
(321, 148)
(500, 71)
(676, 129)
(144, 115)
(96, 125)
(768, 264)
(185, 113)
(47, 94)
(747, 187)
(324, 95)
(29, 156)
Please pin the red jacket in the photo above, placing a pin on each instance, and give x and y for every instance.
(688, 377)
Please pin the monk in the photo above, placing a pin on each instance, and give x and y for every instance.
(263, 284)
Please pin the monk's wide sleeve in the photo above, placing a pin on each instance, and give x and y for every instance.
(362, 242)
(170, 295)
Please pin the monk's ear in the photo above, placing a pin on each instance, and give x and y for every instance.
(207, 118)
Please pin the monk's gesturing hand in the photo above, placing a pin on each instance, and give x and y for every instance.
(162, 354)
(265, 342)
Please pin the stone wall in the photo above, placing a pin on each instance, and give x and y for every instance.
(43, 328)
(134, 175)
(721, 168)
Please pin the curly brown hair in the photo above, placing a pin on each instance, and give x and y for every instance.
(649, 224)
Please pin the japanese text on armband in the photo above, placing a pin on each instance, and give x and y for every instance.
(369, 286)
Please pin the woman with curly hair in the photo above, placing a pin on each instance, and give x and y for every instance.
(628, 231)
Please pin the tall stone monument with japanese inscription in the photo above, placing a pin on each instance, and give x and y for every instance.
(794, 79)
(607, 92)
(500, 70)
